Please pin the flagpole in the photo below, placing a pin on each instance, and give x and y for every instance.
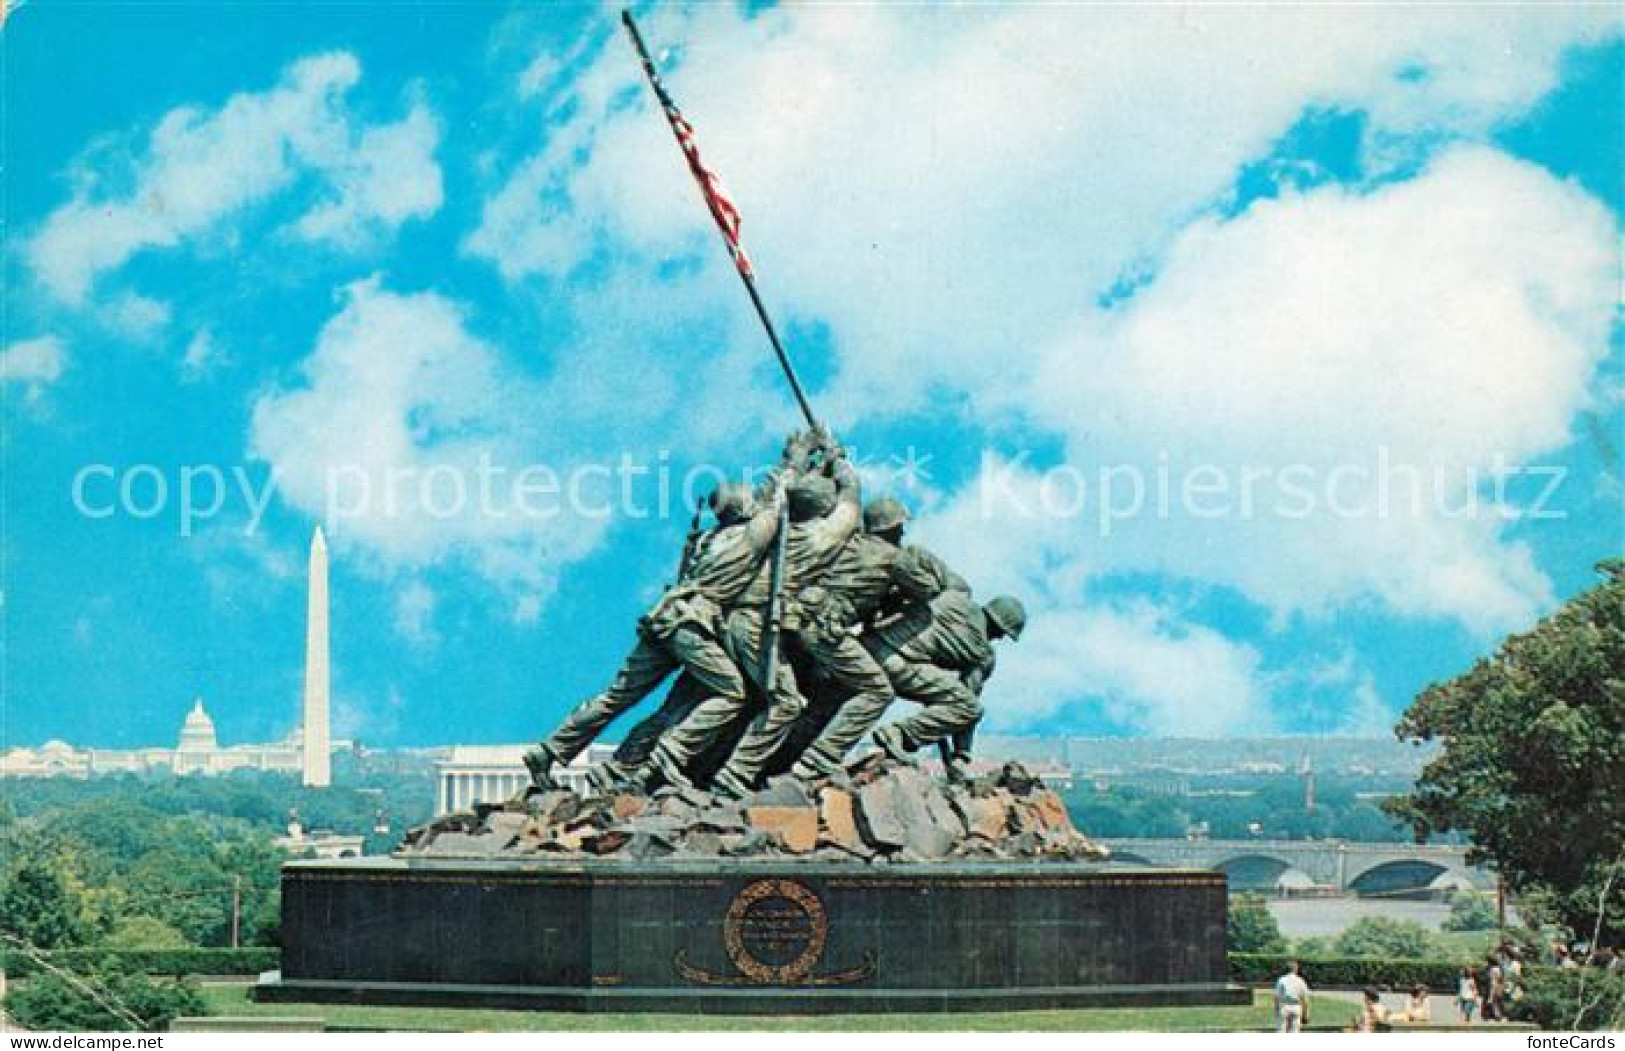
(741, 262)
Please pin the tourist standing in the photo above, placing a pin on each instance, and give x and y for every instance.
(1291, 1001)
(1495, 991)
(1514, 969)
(1467, 994)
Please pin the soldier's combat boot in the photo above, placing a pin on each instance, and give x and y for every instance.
(608, 777)
(644, 778)
(812, 767)
(728, 785)
(889, 739)
(540, 762)
(667, 770)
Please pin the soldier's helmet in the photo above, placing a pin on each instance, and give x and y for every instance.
(883, 513)
(810, 496)
(1008, 613)
(731, 501)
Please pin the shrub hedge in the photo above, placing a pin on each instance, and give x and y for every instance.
(177, 962)
(1359, 971)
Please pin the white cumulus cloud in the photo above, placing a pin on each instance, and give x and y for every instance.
(946, 187)
(412, 437)
(1137, 663)
(949, 191)
(1446, 326)
(33, 364)
(197, 168)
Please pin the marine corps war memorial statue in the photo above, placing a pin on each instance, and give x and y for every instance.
(762, 840)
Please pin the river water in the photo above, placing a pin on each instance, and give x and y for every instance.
(1312, 917)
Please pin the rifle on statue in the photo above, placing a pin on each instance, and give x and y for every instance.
(774, 621)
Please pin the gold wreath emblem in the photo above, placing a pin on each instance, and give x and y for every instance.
(795, 970)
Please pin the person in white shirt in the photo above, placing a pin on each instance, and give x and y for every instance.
(1291, 1000)
(1467, 994)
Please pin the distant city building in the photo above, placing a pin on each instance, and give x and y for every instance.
(319, 844)
(1109, 757)
(197, 751)
(491, 773)
(1154, 782)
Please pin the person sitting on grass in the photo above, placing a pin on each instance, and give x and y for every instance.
(1372, 1013)
(1418, 1006)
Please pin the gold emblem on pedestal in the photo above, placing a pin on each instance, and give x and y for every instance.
(774, 933)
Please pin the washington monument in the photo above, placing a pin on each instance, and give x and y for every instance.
(318, 759)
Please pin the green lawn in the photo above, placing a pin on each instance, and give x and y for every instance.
(233, 1000)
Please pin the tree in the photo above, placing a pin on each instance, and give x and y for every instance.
(102, 1000)
(1470, 911)
(36, 906)
(1387, 938)
(1533, 760)
(1587, 999)
(144, 932)
(1313, 945)
(1365, 823)
(1250, 927)
(186, 890)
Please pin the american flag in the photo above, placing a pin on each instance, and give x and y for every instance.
(711, 188)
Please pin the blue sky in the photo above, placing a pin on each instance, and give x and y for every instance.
(1016, 252)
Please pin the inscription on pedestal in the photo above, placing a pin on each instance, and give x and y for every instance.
(774, 933)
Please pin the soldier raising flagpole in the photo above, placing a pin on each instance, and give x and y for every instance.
(728, 221)
(792, 584)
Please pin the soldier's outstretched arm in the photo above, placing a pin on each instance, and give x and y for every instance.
(799, 450)
(837, 527)
(763, 527)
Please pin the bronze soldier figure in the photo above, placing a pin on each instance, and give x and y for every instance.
(941, 656)
(682, 629)
(824, 514)
(872, 574)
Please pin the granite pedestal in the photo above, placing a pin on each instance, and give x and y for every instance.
(764, 936)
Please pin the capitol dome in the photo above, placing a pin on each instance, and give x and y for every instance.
(197, 733)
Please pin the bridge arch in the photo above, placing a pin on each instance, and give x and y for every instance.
(1130, 858)
(1399, 876)
(1262, 872)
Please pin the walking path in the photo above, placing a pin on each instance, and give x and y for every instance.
(1441, 1006)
